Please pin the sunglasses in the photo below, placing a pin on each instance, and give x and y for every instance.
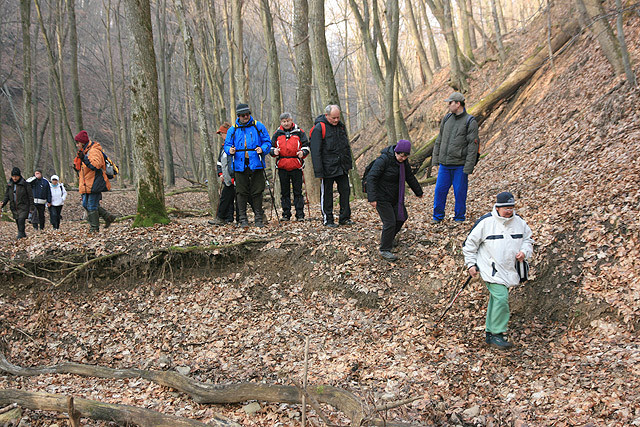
(403, 154)
(244, 115)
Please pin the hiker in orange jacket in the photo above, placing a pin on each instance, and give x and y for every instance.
(90, 165)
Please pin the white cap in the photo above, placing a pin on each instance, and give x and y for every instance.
(56, 177)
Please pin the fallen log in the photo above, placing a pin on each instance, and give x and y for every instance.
(85, 408)
(521, 75)
(203, 393)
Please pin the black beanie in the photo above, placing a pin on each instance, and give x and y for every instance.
(15, 172)
(243, 109)
(505, 199)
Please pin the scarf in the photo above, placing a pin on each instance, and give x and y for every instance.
(401, 179)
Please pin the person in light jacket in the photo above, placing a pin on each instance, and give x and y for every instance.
(58, 196)
(496, 244)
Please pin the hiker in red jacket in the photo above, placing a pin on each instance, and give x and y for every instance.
(290, 145)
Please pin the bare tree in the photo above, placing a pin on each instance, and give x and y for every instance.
(196, 84)
(27, 116)
(498, 34)
(75, 80)
(275, 91)
(426, 73)
(144, 117)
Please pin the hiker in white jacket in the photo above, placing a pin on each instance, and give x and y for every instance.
(496, 244)
(58, 196)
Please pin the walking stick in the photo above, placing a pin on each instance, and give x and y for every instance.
(306, 194)
(454, 300)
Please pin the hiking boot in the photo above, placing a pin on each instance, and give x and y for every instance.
(285, 218)
(498, 341)
(217, 221)
(435, 221)
(388, 256)
(331, 225)
(106, 216)
(300, 218)
(346, 222)
(93, 217)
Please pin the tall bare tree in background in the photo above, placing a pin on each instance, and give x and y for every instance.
(145, 124)
(426, 73)
(273, 65)
(241, 84)
(27, 114)
(194, 72)
(165, 54)
(75, 79)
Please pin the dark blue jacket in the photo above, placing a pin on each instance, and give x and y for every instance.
(41, 190)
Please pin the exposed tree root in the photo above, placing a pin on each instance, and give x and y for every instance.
(187, 190)
(343, 400)
(85, 408)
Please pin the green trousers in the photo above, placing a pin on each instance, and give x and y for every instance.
(498, 308)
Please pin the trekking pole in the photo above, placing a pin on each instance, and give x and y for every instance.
(454, 299)
(266, 180)
(306, 194)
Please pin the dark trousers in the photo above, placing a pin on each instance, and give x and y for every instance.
(288, 179)
(21, 223)
(390, 224)
(39, 223)
(326, 198)
(55, 216)
(225, 208)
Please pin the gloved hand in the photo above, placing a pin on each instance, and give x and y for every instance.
(81, 155)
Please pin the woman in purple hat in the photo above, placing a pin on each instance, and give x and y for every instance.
(385, 191)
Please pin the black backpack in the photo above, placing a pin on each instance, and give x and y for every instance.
(366, 172)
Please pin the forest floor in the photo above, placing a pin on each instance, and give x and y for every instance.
(370, 323)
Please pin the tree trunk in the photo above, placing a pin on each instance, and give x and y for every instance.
(2, 175)
(164, 82)
(75, 81)
(125, 135)
(496, 29)
(115, 107)
(205, 140)
(595, 14)
(144, 117)
(304, 73)
(238, 55)
(27, 117)
(393, 21)
(320, 55)
(231, 52)
(442, 11)
(217, 76)
(472, 33)
(433, 47)
(467, 47)
(426, 73)
(273, 68)
(628, 70)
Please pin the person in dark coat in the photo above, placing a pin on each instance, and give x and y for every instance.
(385, 191)
(20, 199)
(224, 215)
(331, 157)
(41, 197)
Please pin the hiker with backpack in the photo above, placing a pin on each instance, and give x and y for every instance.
(90, 164)
(224, 214)
(497, 248)
(290, 145)
(41, 197)
(58, 196)
(331, 157)
(385, 186)
(456, 151)
(20, 198)
(248, 141)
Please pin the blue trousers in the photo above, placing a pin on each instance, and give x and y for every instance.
(448, 175)
(91, 202)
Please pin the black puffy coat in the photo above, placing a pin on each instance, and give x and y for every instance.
(24, 197)
(331, 156)
(382, 179)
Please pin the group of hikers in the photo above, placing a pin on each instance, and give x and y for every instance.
(27, 198)
(496, 248)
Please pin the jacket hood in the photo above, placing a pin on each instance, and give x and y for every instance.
(502, 219)
(91, 144)
(21, 181)
(389, 151)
